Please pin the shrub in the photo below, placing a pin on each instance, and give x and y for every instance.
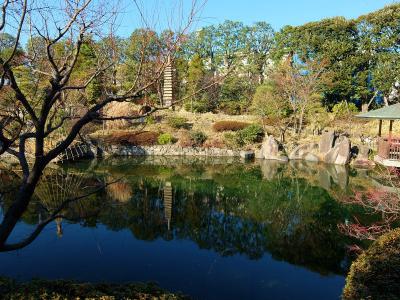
(251, 134)
(150, 120)
(177, 122)
(231, 108)
(376, 272)
(344, 109)
(142, 138)
(214, 143)
(165, 139)
(229, 126)
(185, 140)
(199, 106)
(231, 140)
(198, 138)
(116, 109)
(63, 289)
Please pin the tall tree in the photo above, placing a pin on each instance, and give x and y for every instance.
(68, 61)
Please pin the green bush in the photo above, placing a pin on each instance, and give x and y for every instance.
(251, 134)
(198, 137)
(231, 140)
(177, 122)
(202, 105)
(150, 120)
(375, 274)
(344, 109)
(165, 139)
(233, 108)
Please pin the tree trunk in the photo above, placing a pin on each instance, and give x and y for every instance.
(301, 117)
(18, 207)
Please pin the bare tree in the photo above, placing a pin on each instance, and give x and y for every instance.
(298, 85)
(33, 113)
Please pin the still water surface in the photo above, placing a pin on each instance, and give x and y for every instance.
(212, 229)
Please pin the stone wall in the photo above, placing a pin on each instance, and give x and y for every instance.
(164, 150)
(331, 149)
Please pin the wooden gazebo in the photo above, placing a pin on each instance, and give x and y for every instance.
(389, 146)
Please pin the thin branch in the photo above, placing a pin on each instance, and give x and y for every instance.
(52, 217)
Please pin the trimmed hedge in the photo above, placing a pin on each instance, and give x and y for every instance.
(141, 138)
(375, 274)
(229, 126)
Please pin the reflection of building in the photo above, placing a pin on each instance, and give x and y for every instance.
(168, 202)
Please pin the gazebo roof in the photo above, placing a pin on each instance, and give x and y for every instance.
(391, 112)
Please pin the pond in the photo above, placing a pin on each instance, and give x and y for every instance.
(210, 228)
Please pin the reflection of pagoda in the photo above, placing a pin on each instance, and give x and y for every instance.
(168, 202)
(59, 227)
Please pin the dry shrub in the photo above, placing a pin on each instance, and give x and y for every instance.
(185, 140)
(214, 143)
(119, 191)
(229, 126)
(141, 138)
(116, 109)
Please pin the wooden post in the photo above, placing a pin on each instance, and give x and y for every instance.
(390, 130)
(380, 128)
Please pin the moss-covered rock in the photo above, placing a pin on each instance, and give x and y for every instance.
(62, 289)
(376, 273)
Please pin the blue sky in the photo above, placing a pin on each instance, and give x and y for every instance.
(287, 12)
(277, 13)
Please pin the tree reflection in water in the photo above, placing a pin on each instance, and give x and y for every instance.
(253, 209)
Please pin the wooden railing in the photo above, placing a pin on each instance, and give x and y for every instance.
(389, 148)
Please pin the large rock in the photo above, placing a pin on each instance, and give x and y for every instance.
(327, 141)
(247, 154)
(305, 152)
(362, 160)
(363, 152)
(270, 150)
(340, 153)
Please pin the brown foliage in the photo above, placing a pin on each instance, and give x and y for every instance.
(185, 140)
(229, 126)
(117, 109)
(119, 191)
(378, 201)
(142, 138)
(214, 143)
